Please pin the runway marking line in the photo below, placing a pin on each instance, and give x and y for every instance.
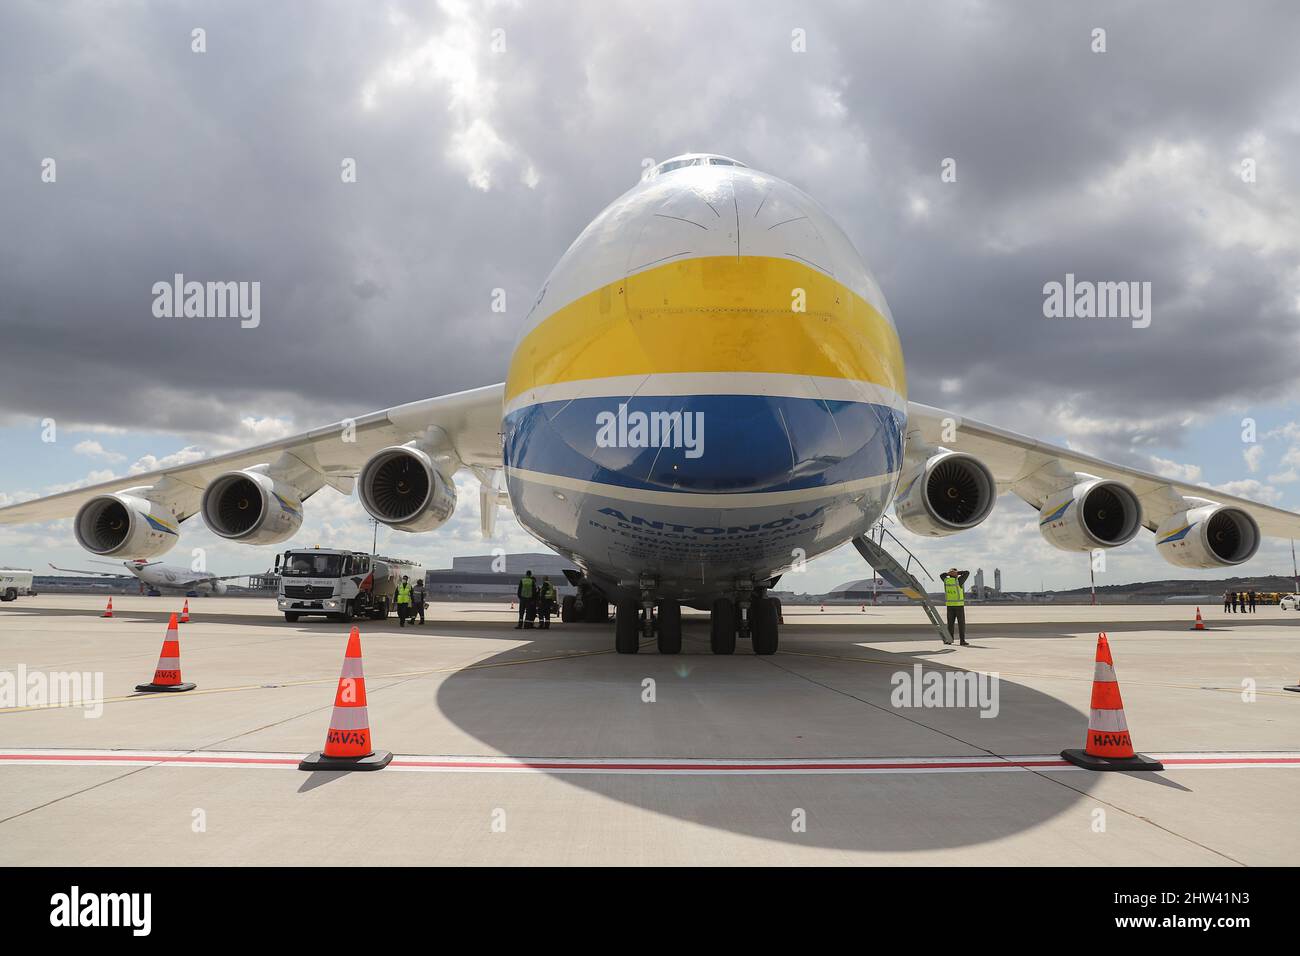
(686, 766)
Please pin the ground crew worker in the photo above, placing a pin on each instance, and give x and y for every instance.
(1252, 602)
(417, 600)
(546, 604)
(1232, 601)
(403, 601)
(527, 594)
(1227, 601)
(954, 596)
(1241, 601)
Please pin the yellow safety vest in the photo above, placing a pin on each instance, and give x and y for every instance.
(403, 594)
(526, 586)
(953, 595)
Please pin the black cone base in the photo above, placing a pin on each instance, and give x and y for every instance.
(1295, 689)
(1081, 758)
(318, 761)
(164, 688)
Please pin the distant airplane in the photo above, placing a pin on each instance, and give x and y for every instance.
(158, 578)
(713, 301)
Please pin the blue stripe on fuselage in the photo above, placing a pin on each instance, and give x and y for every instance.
(748, 443)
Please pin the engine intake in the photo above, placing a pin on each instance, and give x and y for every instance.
(1211, 536)
(251, 507)
(951, 492)
(125, 525)
(401, 487)
(1098, 513)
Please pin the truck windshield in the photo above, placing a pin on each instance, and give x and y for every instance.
(312, 564)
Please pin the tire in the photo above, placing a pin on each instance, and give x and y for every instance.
(627, 632)
(764, 631)
(290, 617)
(670, 627)
(349, 612)
(595, 609)
(722, 627)
(568, 609)
(10, 595)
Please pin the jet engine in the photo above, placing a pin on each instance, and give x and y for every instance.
(1095, 513)
(1211, 536)
(251, 507)
(125, 525)
(950, 492)
(403, 488)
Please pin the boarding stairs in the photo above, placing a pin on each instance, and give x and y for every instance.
(872, 548)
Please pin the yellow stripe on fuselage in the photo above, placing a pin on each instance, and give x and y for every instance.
(713, 314)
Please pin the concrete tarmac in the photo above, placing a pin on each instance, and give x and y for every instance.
(545, 747)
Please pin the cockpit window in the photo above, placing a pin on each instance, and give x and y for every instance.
(693, 159)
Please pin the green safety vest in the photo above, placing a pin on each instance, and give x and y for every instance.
(526, 586)
(548, 591)
(403, 594)
(953, 595)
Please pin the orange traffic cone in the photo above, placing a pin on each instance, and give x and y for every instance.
(1199, 625)
(167, 676)
(1108, 745)
(108, 611)
(347, 744)
(185, 612)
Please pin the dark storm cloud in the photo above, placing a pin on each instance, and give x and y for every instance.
(226, 166)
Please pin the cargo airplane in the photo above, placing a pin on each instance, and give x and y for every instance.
(708, 389)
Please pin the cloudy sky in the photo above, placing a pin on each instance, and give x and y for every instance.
(486, 135)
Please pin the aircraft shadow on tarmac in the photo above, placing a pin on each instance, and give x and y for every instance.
(805, 702)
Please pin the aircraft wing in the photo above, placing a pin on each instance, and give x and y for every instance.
(107, 574)
(335, 453)
(1025, 466)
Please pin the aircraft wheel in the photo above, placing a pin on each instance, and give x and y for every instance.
(763, 629)
(722, 627)
(670, 627)
(627, 628)
(595, 609)
(568, 609)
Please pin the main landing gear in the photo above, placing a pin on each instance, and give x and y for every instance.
(756, 620)
(633, 622)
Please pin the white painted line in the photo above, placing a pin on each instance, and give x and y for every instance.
(690, 766)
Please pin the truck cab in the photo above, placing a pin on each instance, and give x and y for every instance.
(338, 585)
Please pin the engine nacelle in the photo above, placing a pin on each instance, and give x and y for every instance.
(401, 487)
(124, 525)
(1211, 536)
(1099, 513)
(251, 507)
(951, 492)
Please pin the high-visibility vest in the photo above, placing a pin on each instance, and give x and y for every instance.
(548, 591)
(403, 594)
(953, 595)
(526, 587)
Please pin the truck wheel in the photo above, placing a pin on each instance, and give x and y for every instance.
(348, 612)
(568, 609)
(290, 617)
(11, 595)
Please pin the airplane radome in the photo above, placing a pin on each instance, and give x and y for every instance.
(710, 299)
